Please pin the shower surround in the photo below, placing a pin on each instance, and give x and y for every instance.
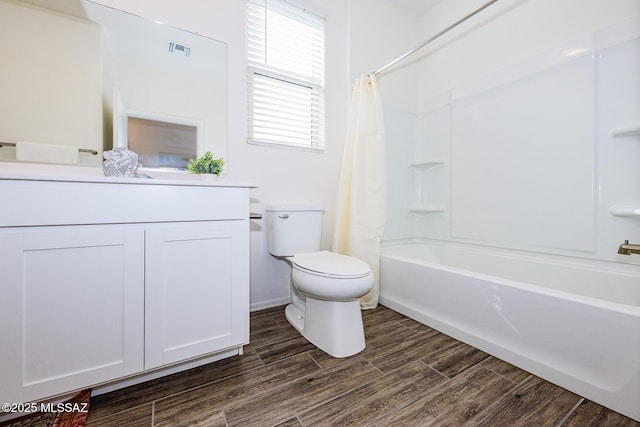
(525, 157)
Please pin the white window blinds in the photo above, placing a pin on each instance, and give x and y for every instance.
(285, 74)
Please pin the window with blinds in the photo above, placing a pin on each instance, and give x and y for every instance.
(285, 75)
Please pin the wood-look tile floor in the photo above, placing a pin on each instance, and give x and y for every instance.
(409, 375)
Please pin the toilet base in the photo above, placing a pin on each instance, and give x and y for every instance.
(295, 317)
(335, 327)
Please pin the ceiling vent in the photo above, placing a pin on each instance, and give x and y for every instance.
(179, 49)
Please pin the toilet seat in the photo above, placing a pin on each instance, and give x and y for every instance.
(329, 264)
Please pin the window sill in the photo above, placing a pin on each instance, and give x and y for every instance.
(286, 146)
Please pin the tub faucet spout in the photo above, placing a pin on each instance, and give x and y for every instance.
(628, 249)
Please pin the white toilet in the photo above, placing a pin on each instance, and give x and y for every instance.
(325, 306)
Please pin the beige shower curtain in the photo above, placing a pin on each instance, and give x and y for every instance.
(362, 189)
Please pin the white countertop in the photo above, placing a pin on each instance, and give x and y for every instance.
(24, 171)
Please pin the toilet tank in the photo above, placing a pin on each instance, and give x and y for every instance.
(294, 228)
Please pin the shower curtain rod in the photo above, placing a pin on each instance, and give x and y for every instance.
(426, 42)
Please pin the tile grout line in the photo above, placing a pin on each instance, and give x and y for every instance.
(504, 376)
(421, 358)
(224, 414)
(321, 369)
(270, 343)
(172, 395)
(433, 367)
(490, 407)
(111, 414)
(298, 414)
(314, 359)
(568, 415)
(409, 402)
(383, 374)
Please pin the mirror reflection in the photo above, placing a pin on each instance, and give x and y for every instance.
(84, 78)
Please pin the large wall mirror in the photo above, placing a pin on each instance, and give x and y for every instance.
(80, 75)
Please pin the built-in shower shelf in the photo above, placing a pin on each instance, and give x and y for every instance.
(425, 209)
(625, 211)
(425, 163)
(630, 131)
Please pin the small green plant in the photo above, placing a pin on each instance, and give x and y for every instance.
(206, 164)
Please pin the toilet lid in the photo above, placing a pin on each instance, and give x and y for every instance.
(331, 264)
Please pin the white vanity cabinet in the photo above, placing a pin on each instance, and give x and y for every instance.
(71, 308)
(105, 278)
(190, 292)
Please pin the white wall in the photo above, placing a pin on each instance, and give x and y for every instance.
(530, 165)
(363, 35)
(508, 32)
(379, 32)
(282, 175)
(355, 45)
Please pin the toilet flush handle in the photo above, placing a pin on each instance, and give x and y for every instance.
(284, 216)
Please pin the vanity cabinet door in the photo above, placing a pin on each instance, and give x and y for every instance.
(196, 289)
(71, 308)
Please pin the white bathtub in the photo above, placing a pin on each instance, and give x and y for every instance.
(573, 322)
